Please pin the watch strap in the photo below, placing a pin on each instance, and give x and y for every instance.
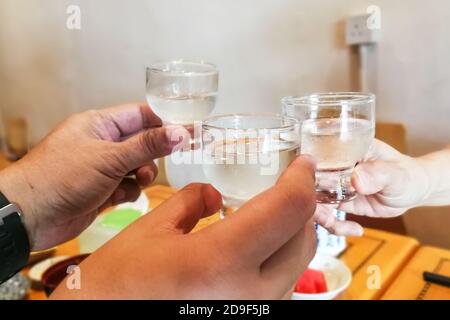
(14, 242)
(3, 201)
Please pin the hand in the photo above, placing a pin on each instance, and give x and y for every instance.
(388, 184)
(256, 253)
(81, 168)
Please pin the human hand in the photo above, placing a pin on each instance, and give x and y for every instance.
(256, 253)
(81, 167)
(388, 183)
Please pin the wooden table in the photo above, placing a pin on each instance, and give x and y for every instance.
(410, 284)
(377, 251)
(388, 251)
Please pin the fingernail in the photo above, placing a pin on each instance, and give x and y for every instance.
(175, 134)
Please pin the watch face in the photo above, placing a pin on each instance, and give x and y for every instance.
(15, 288)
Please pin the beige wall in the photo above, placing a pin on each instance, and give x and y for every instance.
(265, 49)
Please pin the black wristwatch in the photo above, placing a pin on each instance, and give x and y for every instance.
(14, 242)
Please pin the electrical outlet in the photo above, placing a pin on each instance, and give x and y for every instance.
(360, 31)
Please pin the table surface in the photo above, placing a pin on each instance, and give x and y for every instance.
(410, 284)
(388, 253)
(377, 253)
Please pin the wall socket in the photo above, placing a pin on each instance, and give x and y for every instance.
(363, 30)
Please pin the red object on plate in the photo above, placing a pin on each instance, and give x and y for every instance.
(311, 281)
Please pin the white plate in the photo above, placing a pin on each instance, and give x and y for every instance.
(142, 204)
(337, 275)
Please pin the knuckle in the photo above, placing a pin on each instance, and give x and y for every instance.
(150, 142)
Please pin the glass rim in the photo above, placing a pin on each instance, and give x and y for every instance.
(293, 122)
(161, 67)
(348, 97)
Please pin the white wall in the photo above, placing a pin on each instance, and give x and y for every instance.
(265, 49)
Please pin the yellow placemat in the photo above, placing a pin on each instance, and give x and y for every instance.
(376, 253)
(410, 284)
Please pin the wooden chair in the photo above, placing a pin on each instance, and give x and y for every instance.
(393, 134)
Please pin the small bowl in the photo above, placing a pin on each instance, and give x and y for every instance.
(337, 275)
(58, 272)
(37, 271)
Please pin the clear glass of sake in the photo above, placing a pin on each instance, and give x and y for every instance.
(182, 92)
(337, 129)
(245, 154)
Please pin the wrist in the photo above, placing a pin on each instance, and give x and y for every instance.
(15, 188)
(436, 168)
(427, 183)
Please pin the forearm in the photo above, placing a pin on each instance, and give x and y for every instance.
(437, 167)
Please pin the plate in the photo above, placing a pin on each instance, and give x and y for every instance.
(337, 275)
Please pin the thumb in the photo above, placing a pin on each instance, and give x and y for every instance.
(273, 217)
(377, 176)
(148, 145)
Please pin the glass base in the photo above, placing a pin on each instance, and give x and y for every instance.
(330, 197)
(229, 206)
(334, 186)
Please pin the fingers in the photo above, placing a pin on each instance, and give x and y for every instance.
(371, 206)
(284, 267)
(325, 217)
(127, 191)
(181, 213)
(150, 144)
(378, 171)
(269, 220)
(129, 119)
(372, 177)
(146, 174)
